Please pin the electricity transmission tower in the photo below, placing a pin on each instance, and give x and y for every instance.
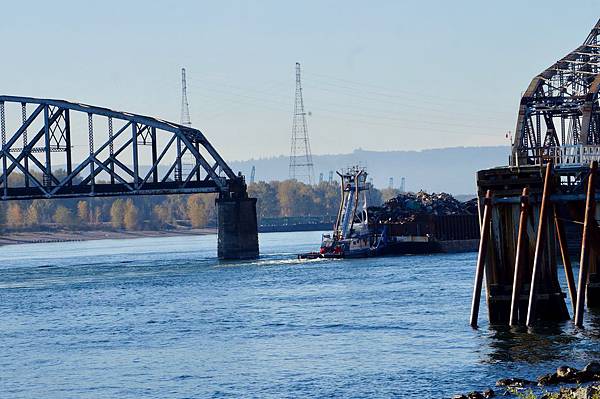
(185, 106)
(185, 162)
(301, 164)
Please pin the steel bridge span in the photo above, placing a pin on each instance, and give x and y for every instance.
(541, 210)
(61, 149)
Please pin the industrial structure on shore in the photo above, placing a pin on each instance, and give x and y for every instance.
(541, 209)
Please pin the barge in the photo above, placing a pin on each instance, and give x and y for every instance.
(357, 234)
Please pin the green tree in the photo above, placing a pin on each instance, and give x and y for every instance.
(117, 213)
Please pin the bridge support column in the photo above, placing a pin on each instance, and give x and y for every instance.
(237, 228)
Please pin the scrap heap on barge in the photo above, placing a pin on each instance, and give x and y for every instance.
(407, 224)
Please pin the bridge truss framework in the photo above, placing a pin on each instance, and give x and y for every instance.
(122, 154)
(559, 113)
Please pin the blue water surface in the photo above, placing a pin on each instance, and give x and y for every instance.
(163, 318)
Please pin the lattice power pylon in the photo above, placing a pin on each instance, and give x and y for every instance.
(559, 114)
(187, 161)
(301, 164)
(185, 106)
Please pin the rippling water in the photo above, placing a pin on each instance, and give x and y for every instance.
(162, 318)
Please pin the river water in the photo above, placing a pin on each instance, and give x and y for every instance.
(163, 318)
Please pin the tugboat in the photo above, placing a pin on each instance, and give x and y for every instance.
(351, 236)
(362, 232)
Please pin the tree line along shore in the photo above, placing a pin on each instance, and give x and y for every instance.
(157, 213)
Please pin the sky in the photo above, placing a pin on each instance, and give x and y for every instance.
(381, 75)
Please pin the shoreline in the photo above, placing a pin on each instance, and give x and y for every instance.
(565, 383)
(40, 237)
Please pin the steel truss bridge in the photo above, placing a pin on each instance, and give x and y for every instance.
(559, 114)
(60, 149)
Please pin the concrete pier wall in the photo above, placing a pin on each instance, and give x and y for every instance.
(237, 228)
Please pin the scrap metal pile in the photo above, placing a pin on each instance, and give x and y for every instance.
(407, 206)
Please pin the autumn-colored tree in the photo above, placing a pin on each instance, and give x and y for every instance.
(297, 199)
(14, 216)
(97, 215)
(161, 215)
(117, 212)
(177, 207)
(131, 216)
(329, 194)
(287, 194)
(83, 212)
(267, 204)
(33, 215)
(63, 217)
(197, 211)
(45, 210)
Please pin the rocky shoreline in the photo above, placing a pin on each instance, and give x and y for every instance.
(565, 383)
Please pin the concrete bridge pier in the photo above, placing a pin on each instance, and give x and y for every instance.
(237, 228)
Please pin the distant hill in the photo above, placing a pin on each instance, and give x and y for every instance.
(446, 169)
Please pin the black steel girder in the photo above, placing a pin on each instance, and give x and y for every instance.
(124, 153)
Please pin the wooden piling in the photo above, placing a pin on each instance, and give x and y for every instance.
(522, 247)
(483, 245)
(566, 260)
(589, 218)
(539, 245)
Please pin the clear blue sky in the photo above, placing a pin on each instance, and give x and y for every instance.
(377, 75)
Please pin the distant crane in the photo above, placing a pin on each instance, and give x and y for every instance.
(301, 163)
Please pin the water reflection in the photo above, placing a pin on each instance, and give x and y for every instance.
(592, 325)
(545, 343)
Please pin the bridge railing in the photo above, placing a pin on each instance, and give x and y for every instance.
(565, 156)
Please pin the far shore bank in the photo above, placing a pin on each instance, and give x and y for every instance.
(33, 237)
